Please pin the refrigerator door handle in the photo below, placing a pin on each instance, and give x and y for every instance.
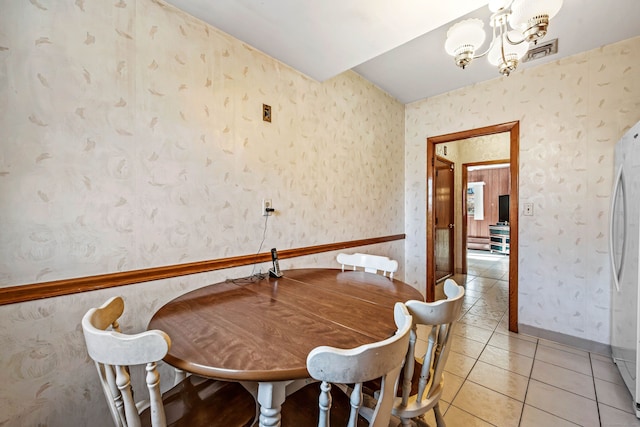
(616, 186)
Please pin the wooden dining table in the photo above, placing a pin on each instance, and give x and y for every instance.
(259, 331)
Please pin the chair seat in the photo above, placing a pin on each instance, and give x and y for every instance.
(196, 402)
(301, 408)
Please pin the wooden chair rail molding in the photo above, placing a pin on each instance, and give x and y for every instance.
(34, 291)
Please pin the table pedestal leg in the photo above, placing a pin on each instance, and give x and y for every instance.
(180, 375)
(271, 396)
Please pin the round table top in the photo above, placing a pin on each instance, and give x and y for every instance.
(263, 330)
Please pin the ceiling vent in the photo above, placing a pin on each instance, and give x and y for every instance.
(541, 50)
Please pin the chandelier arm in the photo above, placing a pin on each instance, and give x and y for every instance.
(504, 34)
(504, 58)
(511, 41)
(480, 55)
(493, 41)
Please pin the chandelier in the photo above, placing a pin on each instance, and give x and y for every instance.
(515, 24)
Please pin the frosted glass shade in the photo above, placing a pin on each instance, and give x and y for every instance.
(511, 51)
(524, 10)
(469, 32)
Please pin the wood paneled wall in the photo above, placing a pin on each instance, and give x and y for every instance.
(496, 183)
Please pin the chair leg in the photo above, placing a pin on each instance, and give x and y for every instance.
(438, 414)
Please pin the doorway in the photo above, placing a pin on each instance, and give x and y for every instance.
(513, 129)
(492, 177)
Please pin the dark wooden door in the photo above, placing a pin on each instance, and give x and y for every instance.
(444, 218)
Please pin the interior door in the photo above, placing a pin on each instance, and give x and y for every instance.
(444, 218)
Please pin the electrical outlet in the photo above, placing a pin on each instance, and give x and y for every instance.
(266, 204)
(528, 209)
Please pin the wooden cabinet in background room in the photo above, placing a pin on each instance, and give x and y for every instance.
(496, 183)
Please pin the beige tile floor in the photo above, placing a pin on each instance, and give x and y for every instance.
(498, 378)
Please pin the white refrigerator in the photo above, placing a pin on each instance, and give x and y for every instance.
(624, 248)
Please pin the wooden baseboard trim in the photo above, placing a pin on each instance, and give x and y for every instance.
(34, 291)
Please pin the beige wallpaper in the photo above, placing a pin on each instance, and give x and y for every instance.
(571, 113)
(134, 138)
(131, 136)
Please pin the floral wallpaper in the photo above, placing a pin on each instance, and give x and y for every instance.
(131, 136)
(134, 138)
(571, 113)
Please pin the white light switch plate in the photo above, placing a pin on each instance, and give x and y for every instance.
(528, 209)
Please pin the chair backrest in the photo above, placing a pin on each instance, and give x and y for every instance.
(383, 359)
(370, 263)
(440, 316)
(113, 353)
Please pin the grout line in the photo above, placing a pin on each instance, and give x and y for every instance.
(526, 392)
(595, 389)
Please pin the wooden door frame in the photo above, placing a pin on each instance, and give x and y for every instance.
(514, 137)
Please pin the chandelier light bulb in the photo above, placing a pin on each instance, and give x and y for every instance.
(463, 39)
(513, 53)
(531, 17)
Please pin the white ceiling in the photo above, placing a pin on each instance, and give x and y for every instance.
(399, 46)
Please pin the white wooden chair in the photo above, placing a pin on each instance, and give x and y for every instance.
(370, 263)
(381, 360)
(422, 387)
(194, 401)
